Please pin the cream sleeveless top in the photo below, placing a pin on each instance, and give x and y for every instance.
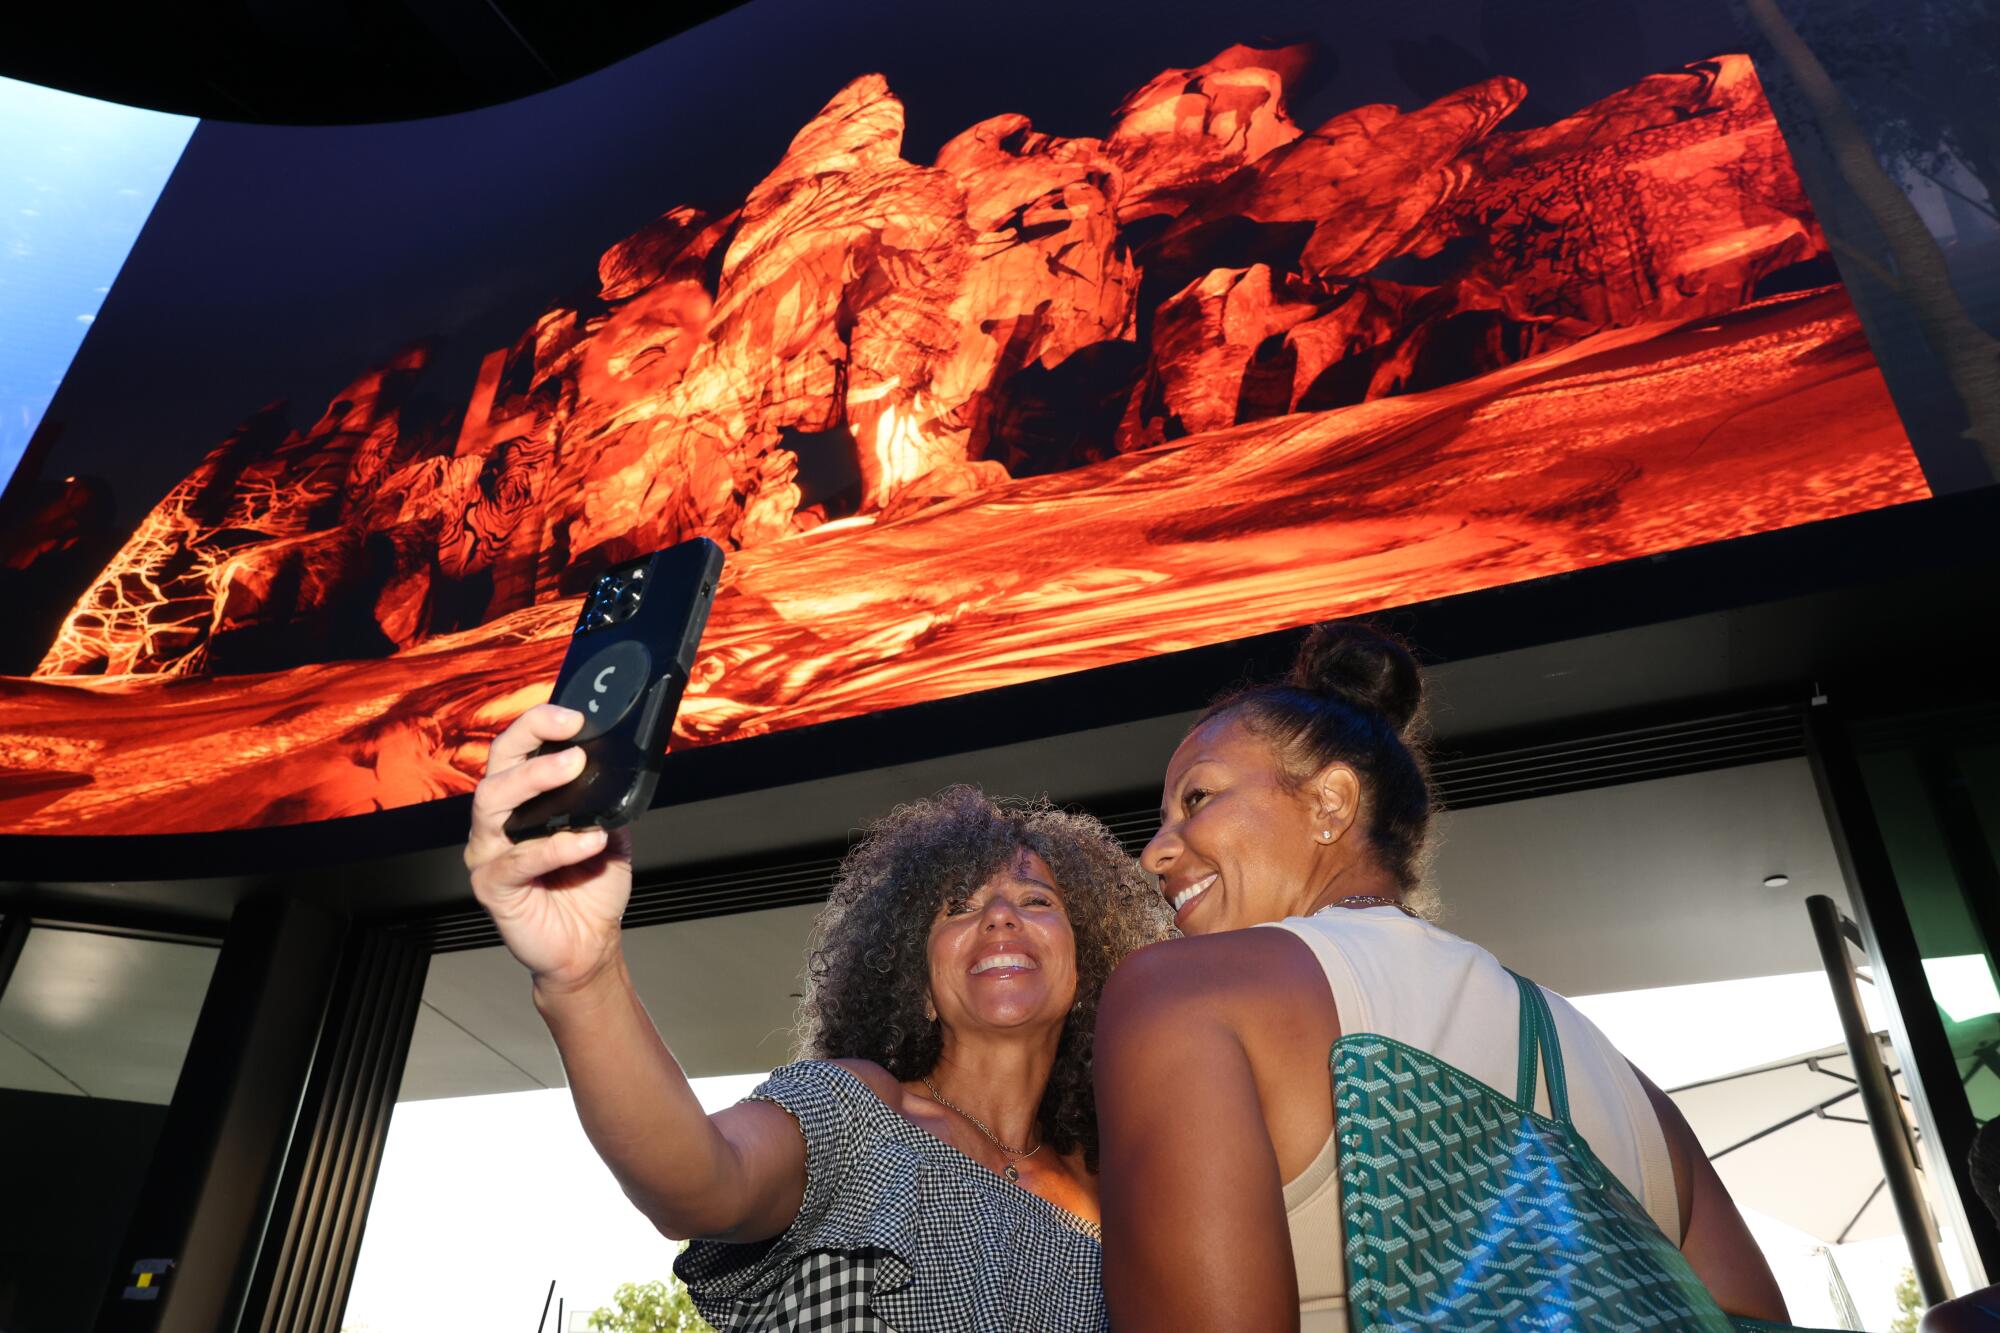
(1406, 979)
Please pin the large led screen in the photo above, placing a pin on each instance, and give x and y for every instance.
(993, 344)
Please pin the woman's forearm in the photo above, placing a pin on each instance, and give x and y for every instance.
(638, 1110)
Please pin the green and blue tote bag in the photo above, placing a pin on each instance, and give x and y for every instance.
(1463, 1209)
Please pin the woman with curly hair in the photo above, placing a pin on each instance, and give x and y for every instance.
(932, 1161)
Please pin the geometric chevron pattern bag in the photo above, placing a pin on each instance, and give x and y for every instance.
(1464, 1209)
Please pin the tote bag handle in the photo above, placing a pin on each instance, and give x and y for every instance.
(1538, 1035)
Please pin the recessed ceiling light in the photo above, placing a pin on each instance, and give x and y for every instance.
(1776, 881)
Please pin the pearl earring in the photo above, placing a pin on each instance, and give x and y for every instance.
(1326, 835)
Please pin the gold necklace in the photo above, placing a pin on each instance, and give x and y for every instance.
(1021, 1154)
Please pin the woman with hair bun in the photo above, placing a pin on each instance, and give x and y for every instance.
(1480, 1157)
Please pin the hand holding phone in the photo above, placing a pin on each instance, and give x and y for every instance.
(628, 663)
(558, 900)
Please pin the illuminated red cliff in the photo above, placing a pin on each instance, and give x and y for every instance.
(1209, 375)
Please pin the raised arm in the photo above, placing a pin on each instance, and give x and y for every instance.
(1194, 1220)
(1714, 1237)
(557, 901)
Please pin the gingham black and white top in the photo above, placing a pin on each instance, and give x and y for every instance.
(899, 1233)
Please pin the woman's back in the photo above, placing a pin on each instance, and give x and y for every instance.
(1403, 978)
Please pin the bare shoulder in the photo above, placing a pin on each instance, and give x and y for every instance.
(1237, 968)
(879, 1080)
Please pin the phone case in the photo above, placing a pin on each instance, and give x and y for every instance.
(627, 665)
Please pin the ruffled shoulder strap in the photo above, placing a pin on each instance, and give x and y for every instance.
(861, 1195)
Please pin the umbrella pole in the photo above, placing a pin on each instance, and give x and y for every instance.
(1878, 1099)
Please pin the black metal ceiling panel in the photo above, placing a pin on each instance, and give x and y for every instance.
(330, 62)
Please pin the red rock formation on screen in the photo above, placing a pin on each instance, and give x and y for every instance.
(1368, 354)
(1673, 198)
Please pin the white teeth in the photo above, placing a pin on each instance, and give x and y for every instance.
(1002, 960)
(1186, 895)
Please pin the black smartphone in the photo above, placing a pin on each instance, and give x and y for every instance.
(627, 665)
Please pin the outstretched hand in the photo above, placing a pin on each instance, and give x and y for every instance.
(557, 900)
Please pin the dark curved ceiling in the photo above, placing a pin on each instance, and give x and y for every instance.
(323, 62)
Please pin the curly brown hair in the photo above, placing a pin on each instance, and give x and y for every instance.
(868, 969)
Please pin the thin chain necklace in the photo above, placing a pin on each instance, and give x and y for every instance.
(1019, 1154)
(1365, 900)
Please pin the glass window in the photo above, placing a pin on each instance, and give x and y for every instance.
(1939, 808)
(93, 1030)
(1934, 785)
(491, 1203)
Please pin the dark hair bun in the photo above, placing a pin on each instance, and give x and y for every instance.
(1363, 668)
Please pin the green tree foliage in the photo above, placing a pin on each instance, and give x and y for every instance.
(650, 1307)
(1909, 1304)
(1916, 268)
(1922, 78)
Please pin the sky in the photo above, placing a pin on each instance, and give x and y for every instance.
(78, 178)
(483, 1201)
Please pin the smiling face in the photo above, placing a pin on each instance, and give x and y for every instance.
(1005, 956)
(1240, 841)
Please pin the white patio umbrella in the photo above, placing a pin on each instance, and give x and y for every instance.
(1789, 1140)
